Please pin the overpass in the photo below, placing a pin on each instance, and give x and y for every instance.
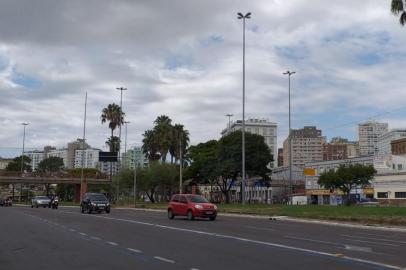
(55, 178)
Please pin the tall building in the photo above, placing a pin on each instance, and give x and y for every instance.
(334, 151)
(261, 127)
(61, 153)
(71, 152)
(36, 157)
(398, 147)
(307, 146)
(280, 157)
(368, 134)
(134, 157)
(352, 149)
(88, 158)
(385, 139)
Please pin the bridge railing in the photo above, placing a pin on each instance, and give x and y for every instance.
(53, 175)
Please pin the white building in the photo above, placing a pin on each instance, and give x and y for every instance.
(368, 134)
(385, 139)
(261, 127)
(104, 167)
(36, 157)
(88, 158)
(61, 153)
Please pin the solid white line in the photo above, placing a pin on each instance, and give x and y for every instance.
(134, 250)
(249, 241)
(164, 259)
(95, 238)
(194, 269)
(82, 234)
(112, 243)
(314, 240)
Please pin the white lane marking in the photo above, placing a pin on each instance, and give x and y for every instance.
(72, 230)
(249, 241)
(82, 234)
(112, 243)
(356, 248)
(259, 228)
(372, 242)
(194, 269)
(134, 250)
(95, 238)
(373, 238)
(164, 259)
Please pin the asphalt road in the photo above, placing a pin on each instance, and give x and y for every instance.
(131, 239)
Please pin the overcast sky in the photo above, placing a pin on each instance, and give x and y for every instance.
(184, 59)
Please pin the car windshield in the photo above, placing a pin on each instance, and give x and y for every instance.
(42, 198)
(198, 199)
(98, 197)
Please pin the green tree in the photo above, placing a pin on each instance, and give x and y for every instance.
(179, 137)
(51, 164)
(347, 177)
(398, 7)
(150, 146)
(113, 143)
(203, 162)
(163, 133)
(15, 165)
(112, 114)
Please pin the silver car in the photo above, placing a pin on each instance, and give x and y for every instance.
(38, 201)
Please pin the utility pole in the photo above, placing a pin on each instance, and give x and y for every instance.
(121, 89)
(290, 73)
(243, 17)
(83, 150)
(180, 164)
(229, 121)
(22, 163)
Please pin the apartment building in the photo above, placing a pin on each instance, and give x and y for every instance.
(385, 139)
(261, 127)
(88, 158)
(368, 134)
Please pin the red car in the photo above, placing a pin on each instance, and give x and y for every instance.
(191, 206)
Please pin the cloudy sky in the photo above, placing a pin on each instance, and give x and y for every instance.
(183, 58)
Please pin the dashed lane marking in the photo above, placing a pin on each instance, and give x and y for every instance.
(82, 234)
(164, 259)
(95, 238)
(112, 243)
(134, 250)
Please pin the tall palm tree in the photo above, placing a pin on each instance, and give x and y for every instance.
(150, 145)
(113, 143)
(112, 114)
(179, 136)
(398, 7)
(163, 132)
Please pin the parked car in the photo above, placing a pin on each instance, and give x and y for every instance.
(97, 202)
(191, 206)
(368, 201)
(38, 201)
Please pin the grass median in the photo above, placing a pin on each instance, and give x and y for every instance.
(385, 215)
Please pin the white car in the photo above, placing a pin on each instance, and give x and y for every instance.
(38, 201)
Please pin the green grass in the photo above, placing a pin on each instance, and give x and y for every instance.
(389, 215)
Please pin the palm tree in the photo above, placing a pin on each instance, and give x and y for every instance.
(179, 135)
(112, 114)
(150, 145)
(398, 7)
(163, 133)
(113, 143)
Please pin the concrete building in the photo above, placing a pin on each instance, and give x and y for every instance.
(88, 158)
(385, 139)
(4, 162)
(104, 167)
(261, 127)
(319, 195)
(36, 157)
(61, 153)
(352, 149)
(335, 151)
(71, 152)
(135, 156)
(307, 146)
(280, 157)
(368, 134)
(398, 147)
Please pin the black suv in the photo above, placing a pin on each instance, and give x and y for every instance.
(94, 202)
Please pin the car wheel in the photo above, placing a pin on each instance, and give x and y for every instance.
(37, 206)
(89, 210)
(32, 206)
(170, 214)
(190, 215)
(212, 218)
(82, 210)
(108, 210)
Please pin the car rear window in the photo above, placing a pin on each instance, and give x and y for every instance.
(198, 199)
(175, 198)
(42, 198)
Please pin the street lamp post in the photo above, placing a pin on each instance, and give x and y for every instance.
(121, 89)
(243, 17)
(229, 121)
(290, 73)
(83, 152)
(125, 142)
(22, 162)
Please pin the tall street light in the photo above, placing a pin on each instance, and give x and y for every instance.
(290, 73)
(243, 17)
(125, 144)
(229, 121)
(22, 160)
(121, 89)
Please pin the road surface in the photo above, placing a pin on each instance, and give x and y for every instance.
(133, 239)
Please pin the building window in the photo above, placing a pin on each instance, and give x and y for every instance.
(382, 195)
(400, 195)
(399, 167)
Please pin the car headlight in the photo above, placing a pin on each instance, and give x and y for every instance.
(215, 207)
(198, 206)
(93, 204)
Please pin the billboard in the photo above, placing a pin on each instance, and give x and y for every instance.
(108, 156)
